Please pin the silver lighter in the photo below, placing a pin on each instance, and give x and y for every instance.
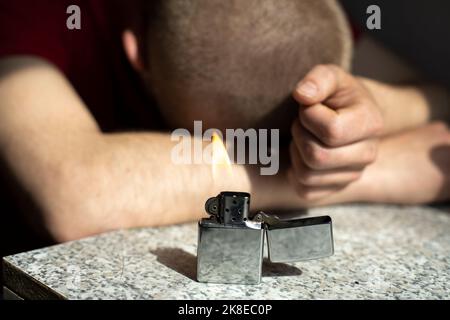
(231, 244)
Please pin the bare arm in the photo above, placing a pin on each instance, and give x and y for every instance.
(85, 181)
(406, 98)
(409, 106)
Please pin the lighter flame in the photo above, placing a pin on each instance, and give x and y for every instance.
(220, 160)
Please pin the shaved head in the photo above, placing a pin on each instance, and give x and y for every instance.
(235, 63)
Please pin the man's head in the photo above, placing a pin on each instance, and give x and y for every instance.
(235, 63)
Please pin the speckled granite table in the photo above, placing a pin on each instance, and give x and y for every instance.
(384, 252)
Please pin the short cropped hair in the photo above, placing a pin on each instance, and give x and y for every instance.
(243, 56)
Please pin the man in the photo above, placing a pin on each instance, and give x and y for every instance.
(230, 64)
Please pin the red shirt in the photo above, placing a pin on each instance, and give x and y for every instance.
(91, 58)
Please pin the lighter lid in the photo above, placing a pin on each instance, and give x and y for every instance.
(297, 239)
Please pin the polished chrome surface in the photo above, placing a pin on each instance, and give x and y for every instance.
(229, 254)
(299, 240)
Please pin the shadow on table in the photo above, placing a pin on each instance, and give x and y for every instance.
(186, 264)
(178, 260)
(272, 269)
(443, 207)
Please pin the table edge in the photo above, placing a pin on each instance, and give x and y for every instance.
(25, 285)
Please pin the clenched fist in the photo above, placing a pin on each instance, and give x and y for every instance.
(336, 134)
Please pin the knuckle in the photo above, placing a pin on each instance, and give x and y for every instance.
(377, 124)
(315, 157)
(322, 67)
(332, 67)
(352, 177)
(333, 134)
(325, 70)
(306, 177)
(356, 175)
(371, 152)
(334, 70)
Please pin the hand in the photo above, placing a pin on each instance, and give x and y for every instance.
(412, 167)
(335, 135)
(404, 159)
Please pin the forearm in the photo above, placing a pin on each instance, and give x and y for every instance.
(81, 181)
(129, 180)
(134, 178)
(409, 106)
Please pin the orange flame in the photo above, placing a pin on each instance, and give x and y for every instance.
(220, 159)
